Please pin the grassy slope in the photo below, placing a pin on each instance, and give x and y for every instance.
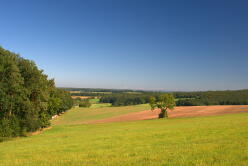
(215, 140)
(81, 115)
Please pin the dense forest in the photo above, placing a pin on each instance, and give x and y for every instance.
(28, 99)
(237, 97)
(123, 99)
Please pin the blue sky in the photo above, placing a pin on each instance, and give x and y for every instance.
(132, 44)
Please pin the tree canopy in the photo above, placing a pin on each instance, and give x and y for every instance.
(28, 99)
(163, 102)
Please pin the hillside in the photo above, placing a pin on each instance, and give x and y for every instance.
(216, 140)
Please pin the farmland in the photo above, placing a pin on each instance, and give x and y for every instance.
(81, 115)
(132, 97)
(178, 112)
(124, 83)
(213, 140)
(81, 97)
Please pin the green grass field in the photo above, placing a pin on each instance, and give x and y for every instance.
(96, 104)
(94, 101)
(81, 115)
(101, 105)
(201, 141)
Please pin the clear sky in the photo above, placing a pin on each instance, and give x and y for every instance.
(133, 44)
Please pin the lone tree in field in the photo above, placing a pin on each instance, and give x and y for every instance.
(163, 103)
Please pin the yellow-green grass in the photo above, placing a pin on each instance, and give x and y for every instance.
(94, 101)
(203, 141)
(100, 105)
(81, 115)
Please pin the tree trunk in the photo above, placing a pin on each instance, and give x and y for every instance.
(163, 114)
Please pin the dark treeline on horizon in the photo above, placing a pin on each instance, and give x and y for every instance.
(120, 97)
(235, 97)
(126, 99)
(28, 99)
(101, 90)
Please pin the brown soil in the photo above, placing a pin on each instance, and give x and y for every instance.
(183, 111)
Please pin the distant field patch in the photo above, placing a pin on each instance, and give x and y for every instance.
(102, 92)
(95, 100)
(81, 97)
(74, 91)
(135, 93)
(101, 105)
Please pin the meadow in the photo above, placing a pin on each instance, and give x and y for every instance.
(203, 141)
(98, 111)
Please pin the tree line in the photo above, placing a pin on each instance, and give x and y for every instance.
(234, 97)
(127, 99)
(100, 92)
(230, 97)
(28, 99)
(90, 90)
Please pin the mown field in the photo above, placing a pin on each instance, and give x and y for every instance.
(203, 141)
(96, 112)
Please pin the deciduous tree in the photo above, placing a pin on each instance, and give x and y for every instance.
(163, 102)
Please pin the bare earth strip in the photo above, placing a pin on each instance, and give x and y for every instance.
(183, 111)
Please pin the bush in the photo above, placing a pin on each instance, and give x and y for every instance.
(10, 127)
